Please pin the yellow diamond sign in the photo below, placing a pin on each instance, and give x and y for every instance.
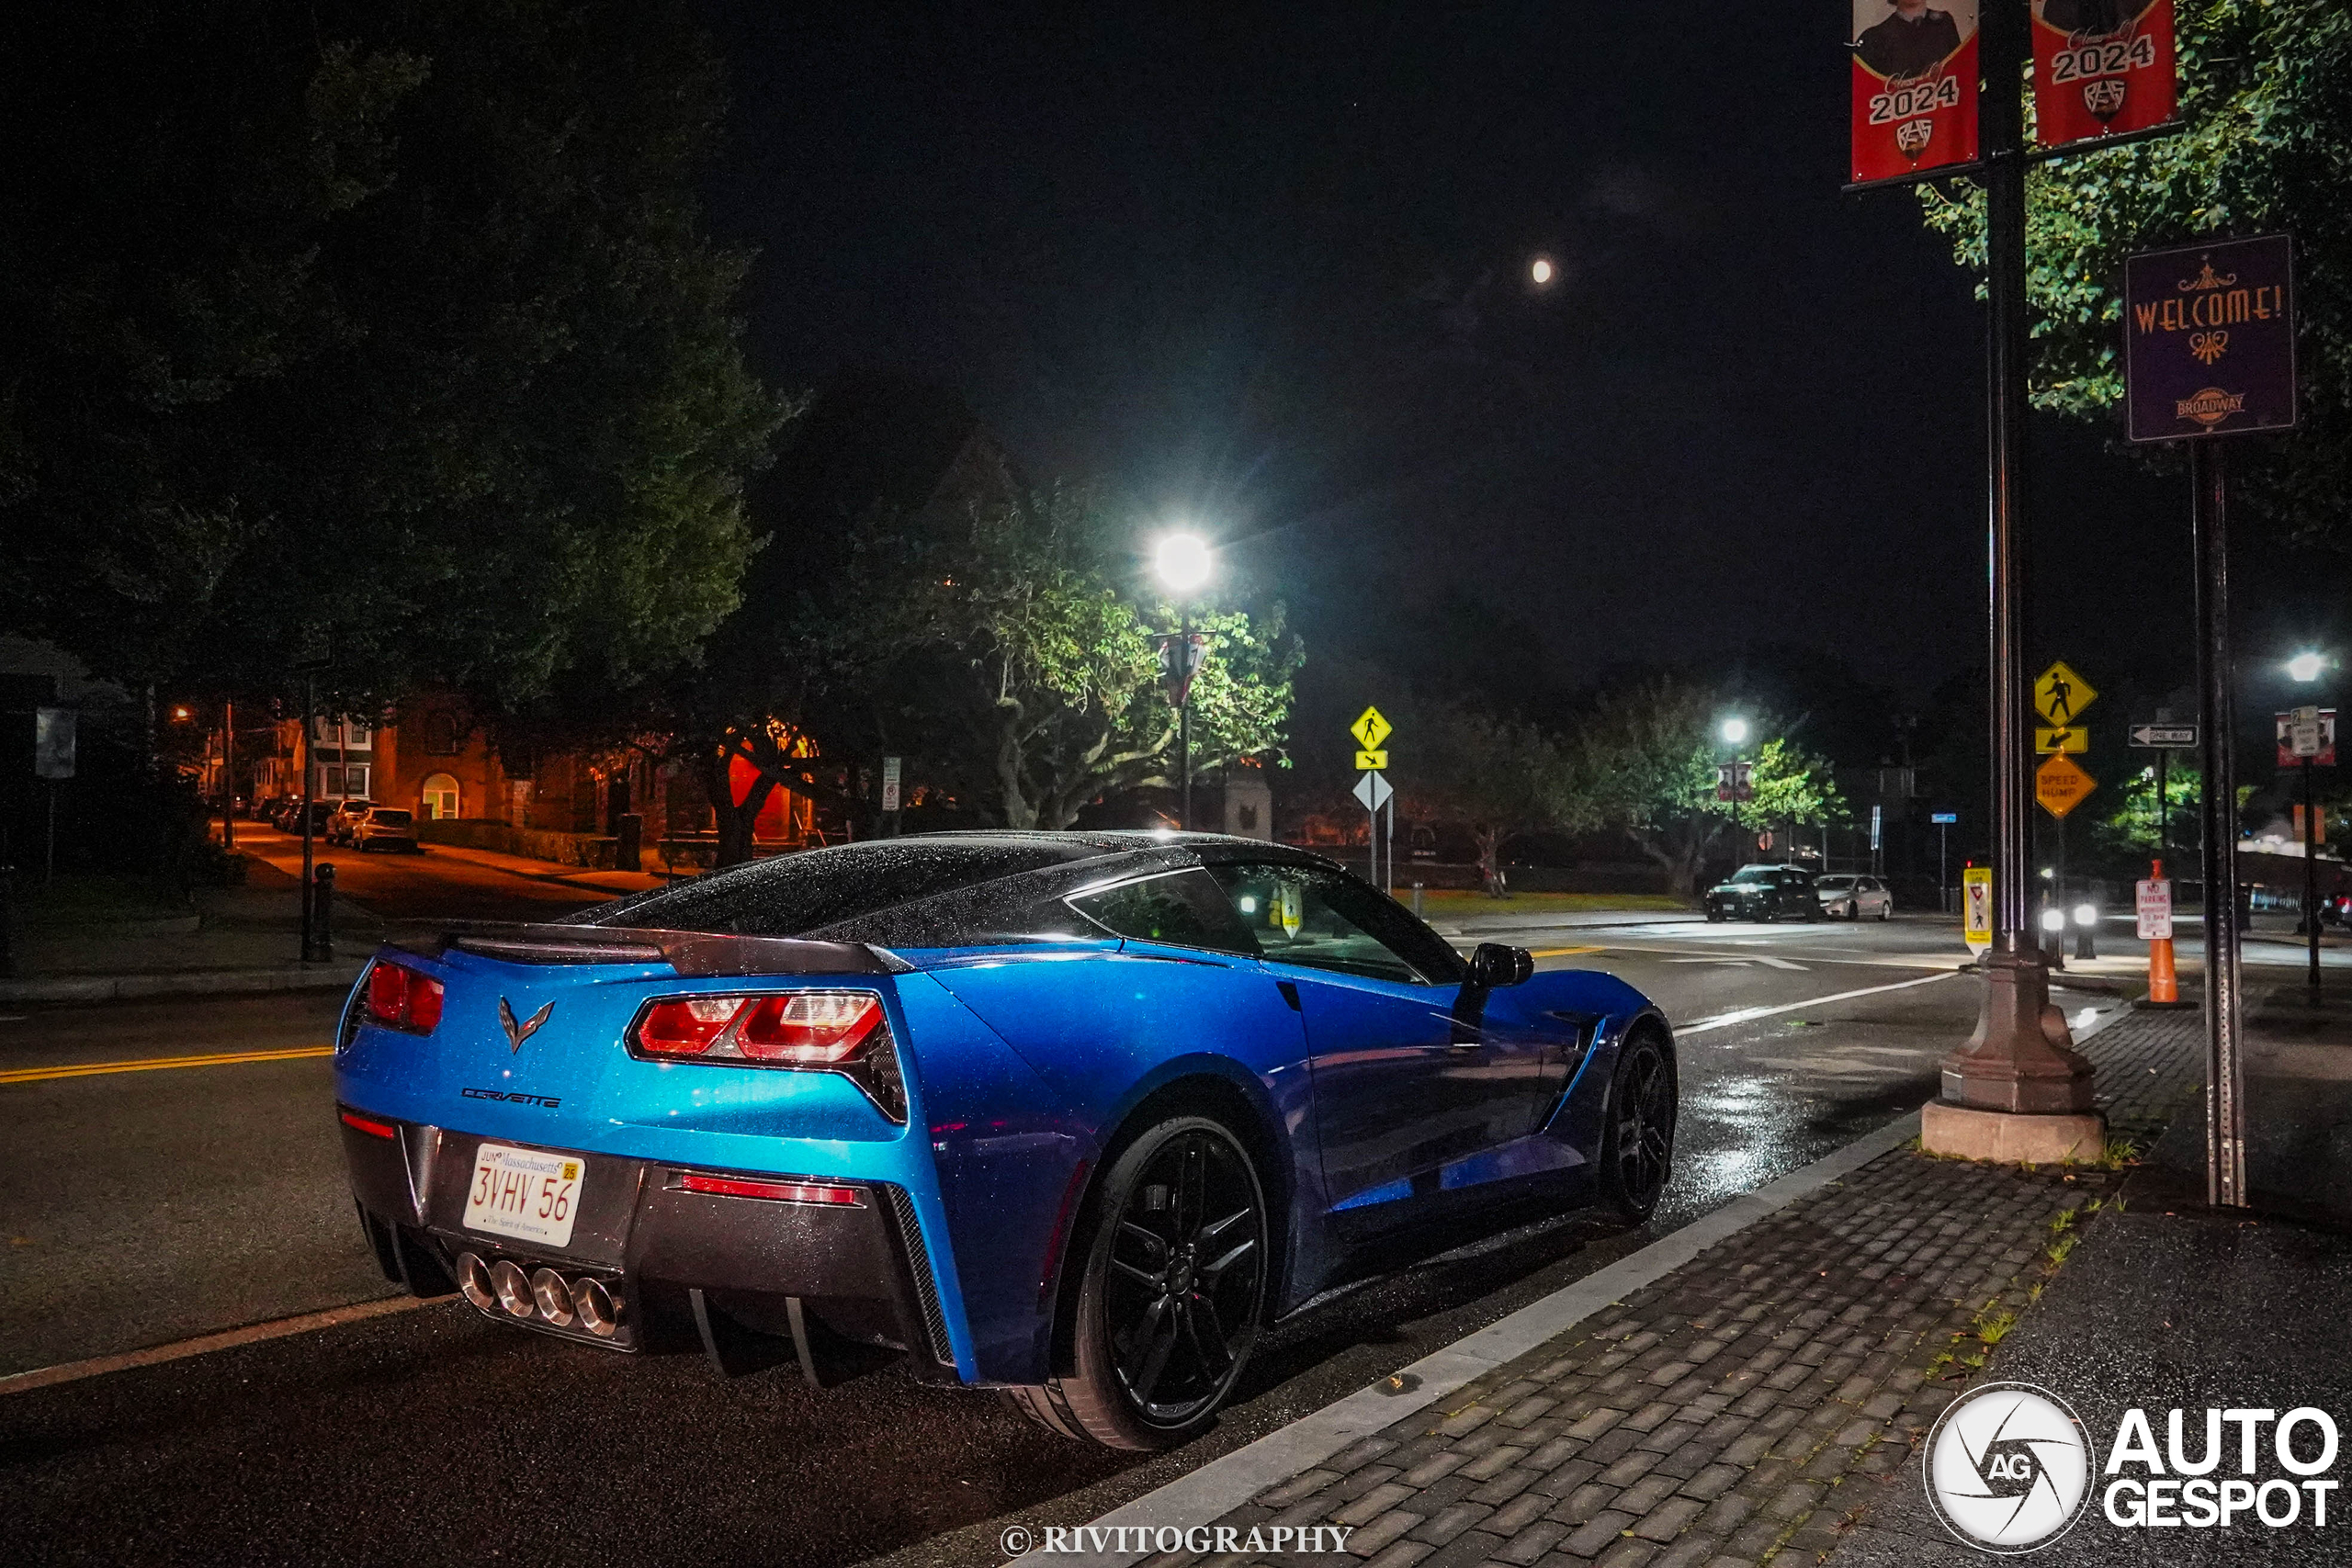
(2060, 785)
(2060, 695)
(1370, 729)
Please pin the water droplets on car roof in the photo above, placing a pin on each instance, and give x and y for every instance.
(790, 894)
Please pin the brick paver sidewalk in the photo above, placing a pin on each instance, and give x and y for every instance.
(1712, 1417)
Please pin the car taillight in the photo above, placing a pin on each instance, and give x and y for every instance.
(815, 1030)
(835, 1031)
(685, 1026)
(399, 998)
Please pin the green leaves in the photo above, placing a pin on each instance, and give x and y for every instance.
(394, 319)
(1009, 648)
(2266, 97)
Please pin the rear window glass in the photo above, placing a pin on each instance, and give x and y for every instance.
(385, 816)
(1183, 908)
(792, 894)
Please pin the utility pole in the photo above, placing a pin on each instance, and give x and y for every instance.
(229, 776)
(310, 774)
(2019, 1061)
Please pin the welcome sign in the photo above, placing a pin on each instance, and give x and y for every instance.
(2208, 339)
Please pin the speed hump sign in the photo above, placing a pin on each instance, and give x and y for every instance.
(1977, 907)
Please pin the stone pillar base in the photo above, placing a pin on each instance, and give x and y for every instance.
(2010, 1137)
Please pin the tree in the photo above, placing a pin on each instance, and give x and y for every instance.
(1008, 637)
(1500, 777)
(2266, 97)
(1647, 756)
(397, 321)
(2135, 830)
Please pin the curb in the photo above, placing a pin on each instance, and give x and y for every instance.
(1225, 1483)
(185, 983)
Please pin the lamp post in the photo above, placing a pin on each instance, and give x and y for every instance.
(1183, 565)
(2304, 669)
(1735, 734)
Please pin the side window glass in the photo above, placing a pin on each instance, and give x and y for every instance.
(1183, 908)
(1322, 920)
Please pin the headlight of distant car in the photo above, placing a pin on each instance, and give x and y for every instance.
(823, 1032)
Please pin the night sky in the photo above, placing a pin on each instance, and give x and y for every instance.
(1266, 270)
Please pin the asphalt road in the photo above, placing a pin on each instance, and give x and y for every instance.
(155, 1204)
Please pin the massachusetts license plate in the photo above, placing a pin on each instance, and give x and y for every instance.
(524, 1193)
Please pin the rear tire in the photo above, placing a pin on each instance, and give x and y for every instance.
(1175, 1266)
(1638, 1133)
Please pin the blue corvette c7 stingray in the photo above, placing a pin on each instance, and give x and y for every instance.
(1072, 1115)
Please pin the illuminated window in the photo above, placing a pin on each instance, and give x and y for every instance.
(440, 796)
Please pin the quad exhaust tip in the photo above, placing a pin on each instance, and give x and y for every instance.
(502, 1286)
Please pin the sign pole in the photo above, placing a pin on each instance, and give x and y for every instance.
(2226, 1068)
(2017, 1062)
(2164, 806)
(2310, 872)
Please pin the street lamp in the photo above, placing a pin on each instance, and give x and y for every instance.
(2304, 669)
(1183, 565)
(1540, 271)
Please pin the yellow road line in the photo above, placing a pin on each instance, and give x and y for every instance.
(1562, 952)
(153, 1063)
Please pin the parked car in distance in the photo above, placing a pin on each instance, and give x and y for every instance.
(385, 828)
(1764, 893)
(1853, 898)
(322, 814)
(345, 817)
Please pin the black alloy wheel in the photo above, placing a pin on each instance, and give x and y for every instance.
(1638, 1143)
(1173, 1293)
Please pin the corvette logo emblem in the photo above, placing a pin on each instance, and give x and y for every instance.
(518, 1033)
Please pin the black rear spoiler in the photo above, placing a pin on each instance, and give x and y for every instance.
(688, 953)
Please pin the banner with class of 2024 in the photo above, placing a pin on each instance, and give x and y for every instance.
(1915, 86)
(2101, 68)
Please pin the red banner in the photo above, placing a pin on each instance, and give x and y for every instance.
(2101, 68)
(1915, 86)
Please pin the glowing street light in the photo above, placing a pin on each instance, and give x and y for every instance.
(1541, 270)
(2306, 666)
(1735, 732)
(1182, 562)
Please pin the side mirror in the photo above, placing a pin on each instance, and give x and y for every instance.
(1495, 965)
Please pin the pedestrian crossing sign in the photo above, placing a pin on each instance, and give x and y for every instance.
(1977, 907)
(2060, 695)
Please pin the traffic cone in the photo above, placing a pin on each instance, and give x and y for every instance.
(2164, 983)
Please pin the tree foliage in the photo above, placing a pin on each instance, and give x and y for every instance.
(1646, 757)
(1009, 650)
(397, 321)
(2266, 98)
(1499, 777)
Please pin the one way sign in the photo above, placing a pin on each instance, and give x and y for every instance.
(2166, 737)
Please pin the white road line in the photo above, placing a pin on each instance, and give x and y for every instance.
(1725, 1020)
(278, 1328)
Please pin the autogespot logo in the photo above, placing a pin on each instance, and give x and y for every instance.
(2007, 1468)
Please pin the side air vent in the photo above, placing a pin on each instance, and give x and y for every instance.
(934, 1322)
